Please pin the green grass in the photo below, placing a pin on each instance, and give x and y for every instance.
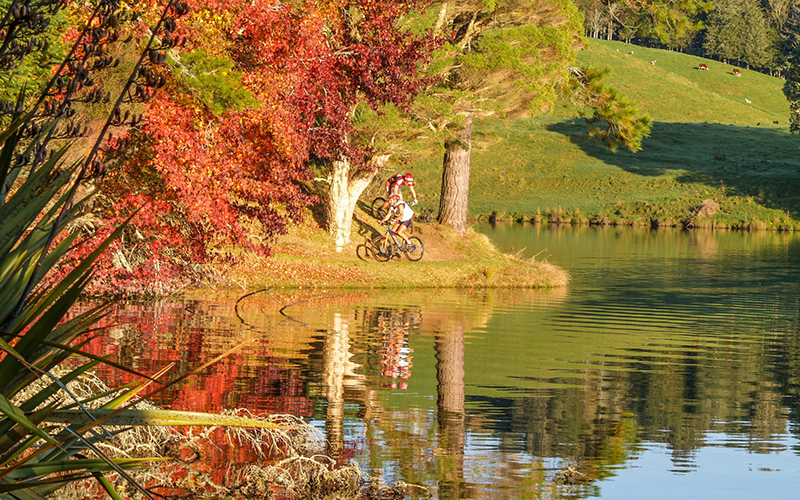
(307, 258)
(707, 142)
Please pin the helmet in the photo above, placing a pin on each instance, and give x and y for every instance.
(409, 178)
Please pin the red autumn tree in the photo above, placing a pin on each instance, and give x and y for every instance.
(213, 164)
(260, 94)
(323, 60)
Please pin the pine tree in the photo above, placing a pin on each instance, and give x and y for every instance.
(612, 118)
(504, 59)
(738, 30)
(791, 89)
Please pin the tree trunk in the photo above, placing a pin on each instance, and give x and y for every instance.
(450, 374)
(454, 201)
(346, 187)
(441, 19)
(470, 32)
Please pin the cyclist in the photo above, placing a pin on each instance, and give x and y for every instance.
(393, 184)
(401, 215)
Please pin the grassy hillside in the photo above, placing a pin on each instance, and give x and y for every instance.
(715, 137)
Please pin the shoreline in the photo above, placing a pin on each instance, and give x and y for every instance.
(306, 258)
(753, 224)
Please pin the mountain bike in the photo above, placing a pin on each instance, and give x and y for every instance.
(387, 246)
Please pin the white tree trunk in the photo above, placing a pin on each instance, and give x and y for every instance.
(442, 18)
(346, 186)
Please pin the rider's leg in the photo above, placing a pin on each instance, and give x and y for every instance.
(402, 232)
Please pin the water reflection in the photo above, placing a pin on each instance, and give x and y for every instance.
(667, 349)
(450, 410)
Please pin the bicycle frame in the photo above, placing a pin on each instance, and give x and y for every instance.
(394, 236)
(392, 243)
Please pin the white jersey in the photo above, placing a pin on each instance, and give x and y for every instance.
(403, 211)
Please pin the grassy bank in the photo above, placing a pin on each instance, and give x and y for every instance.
(718, 141)
(307, 258)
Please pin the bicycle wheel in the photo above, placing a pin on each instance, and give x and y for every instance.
(415, 250)
(376, 208)
(382, 249)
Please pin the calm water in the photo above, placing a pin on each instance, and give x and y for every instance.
(669, 368)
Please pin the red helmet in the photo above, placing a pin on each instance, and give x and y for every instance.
(409, 178)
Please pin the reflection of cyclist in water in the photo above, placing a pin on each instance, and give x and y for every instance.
(395, 353)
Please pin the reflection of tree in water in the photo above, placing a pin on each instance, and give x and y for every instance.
(787, 358)
(588, 426)
(450, 409)
(150, 335)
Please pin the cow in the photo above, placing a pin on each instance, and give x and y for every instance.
(736, 72)
(702, 67)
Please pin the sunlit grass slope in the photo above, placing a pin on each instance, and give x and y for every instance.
(715, 137)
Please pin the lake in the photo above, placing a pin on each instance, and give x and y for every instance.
(668, 368)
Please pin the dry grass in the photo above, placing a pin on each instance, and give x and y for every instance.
(289, 462)
(306, 258)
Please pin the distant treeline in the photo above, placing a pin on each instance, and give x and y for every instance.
(757, 34)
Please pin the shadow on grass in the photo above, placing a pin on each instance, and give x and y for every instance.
(367, 232)
(761, 162)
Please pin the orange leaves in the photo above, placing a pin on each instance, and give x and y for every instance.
(228, 167)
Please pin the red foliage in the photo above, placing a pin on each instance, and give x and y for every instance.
(223, 168)
(210, 177)
(321, 63)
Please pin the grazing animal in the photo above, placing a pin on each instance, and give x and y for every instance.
(747, 100)
(702, 67)
(736, 72)
(652, 62)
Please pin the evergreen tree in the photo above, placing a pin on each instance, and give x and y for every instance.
(790, 30)
(759, 37)
(778, 12)
(738, 30)
(503, 60)
(791, 89)
(612, 118)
